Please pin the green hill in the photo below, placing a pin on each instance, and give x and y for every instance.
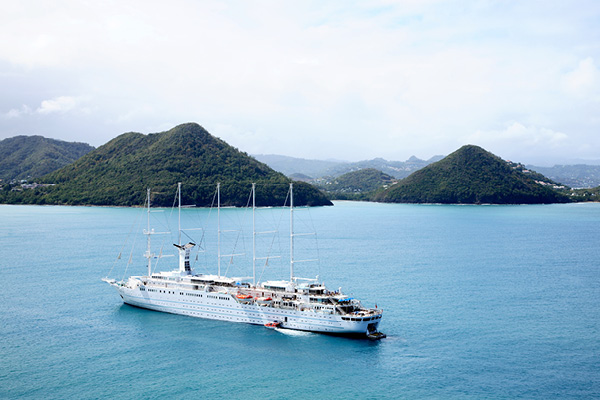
(119, 172)
(472, 175)
(357, 185)
(26, 157)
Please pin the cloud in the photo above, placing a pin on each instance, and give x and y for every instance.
(520, 142)
(515, 133)
(583, 81)
(18, 112)
(58, 104)
(354, 80)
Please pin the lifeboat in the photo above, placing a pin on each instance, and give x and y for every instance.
(264, 301)
(243, 298)
(273, 325)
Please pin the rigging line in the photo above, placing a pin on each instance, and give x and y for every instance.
(312, 223)
(159, 257)
(240, 218)
(135, 223)
(130, 256)
(235, 244)
(199, 243)
(156, 221)
(172, 209)
(212, 207)
(166, 224)
(233, 252)
(188, 236)
(243, 218)
(133, 244)
(161, 224)
(267, 258)
(162, 246)
(246, 209)
(199, 246)
(282, 214)
(173, 205)
(269, 252)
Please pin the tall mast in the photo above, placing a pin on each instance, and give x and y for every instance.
(148, 254)
(219, 228)
(291, 232)
(179, 213)
(253, 235)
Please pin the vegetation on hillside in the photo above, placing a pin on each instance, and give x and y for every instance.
(472, 175)
(119, 172)
(358, 185)
(27, 157)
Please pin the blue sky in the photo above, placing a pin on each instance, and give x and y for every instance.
(313, 79)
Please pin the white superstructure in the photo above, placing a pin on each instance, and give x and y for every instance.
(295, 304)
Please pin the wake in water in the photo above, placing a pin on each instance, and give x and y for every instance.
(292, 332)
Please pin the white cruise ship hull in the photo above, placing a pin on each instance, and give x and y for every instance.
(224, 307)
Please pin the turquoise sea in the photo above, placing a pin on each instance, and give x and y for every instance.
(479, 302)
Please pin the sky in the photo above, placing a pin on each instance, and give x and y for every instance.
(346, 80)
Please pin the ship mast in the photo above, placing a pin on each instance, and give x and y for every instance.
(291, 232)
(179, 214)
(253, 235)
(148, 233)
(219, 228)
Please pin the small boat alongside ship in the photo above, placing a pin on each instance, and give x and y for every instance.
(273, 325)
(297, 303)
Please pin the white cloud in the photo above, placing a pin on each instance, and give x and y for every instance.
(517, 134)
(18, 112)
(584, 81)
(58, 104)
(525, 143)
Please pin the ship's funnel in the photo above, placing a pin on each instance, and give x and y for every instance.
(184, 257)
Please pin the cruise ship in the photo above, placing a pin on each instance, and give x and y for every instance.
(299, 304)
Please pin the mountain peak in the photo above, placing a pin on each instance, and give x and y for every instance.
(119, 172)
(470, 175)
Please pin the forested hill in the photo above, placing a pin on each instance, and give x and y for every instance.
(472, 175)
(357, 185)
(119, 172)
(26, 157)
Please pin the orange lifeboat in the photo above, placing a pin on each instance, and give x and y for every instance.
(264, 301)
(243, 297)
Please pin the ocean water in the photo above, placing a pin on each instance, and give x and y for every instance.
(479, 302)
